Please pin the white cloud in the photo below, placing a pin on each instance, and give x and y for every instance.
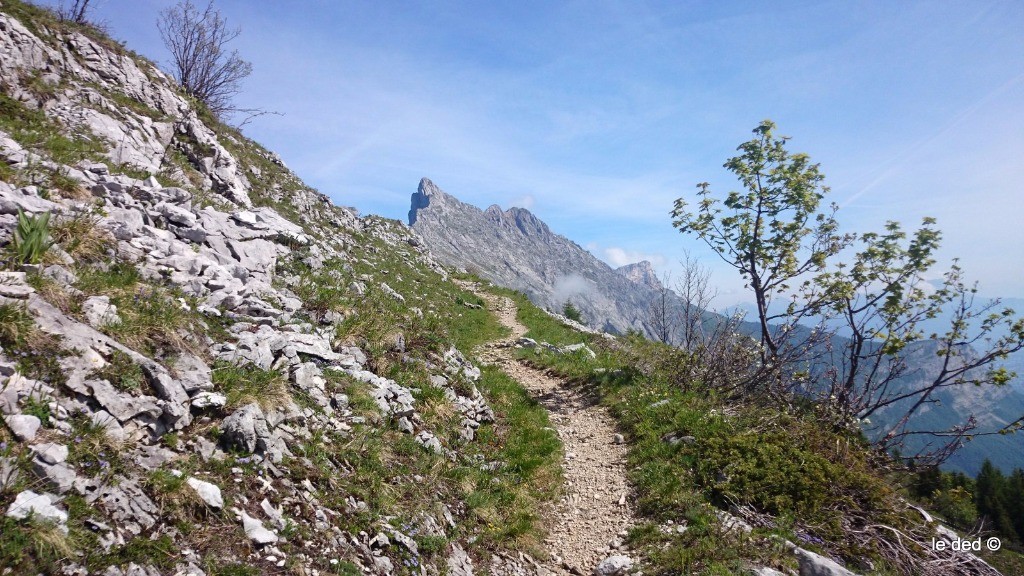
(620, 257)
(523, 202)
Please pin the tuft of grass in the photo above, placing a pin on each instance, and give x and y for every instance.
(92, 452)
(245, 384)
(153, 321)
(31, 546)
(117, 277)
(82, 237)
(67, 186)
(16, 324)
(36, 352)
(122, 372)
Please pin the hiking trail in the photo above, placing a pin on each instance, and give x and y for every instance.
(590, 521)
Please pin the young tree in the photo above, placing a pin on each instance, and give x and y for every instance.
(693, 288)
(772, 233)
(775, 235)
(197, 40)
(663, 317)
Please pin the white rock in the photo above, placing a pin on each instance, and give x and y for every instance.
(210, 493)
(50, 453)
(812, 564)
(255, 531)
(613, 566)
(38, 506)
(99, 312)
(209, 400)
(24, 426)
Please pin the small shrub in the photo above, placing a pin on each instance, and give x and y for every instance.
(571, 312)
(31, 238)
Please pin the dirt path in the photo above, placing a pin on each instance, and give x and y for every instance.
(590, 522)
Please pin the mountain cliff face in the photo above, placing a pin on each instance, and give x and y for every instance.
(642, 273)
(515, 249)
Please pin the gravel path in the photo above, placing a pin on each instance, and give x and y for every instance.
(590, 522)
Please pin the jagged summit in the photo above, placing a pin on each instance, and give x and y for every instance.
(641, 272)
(515, 248)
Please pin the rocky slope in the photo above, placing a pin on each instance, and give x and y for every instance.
(513, 248)
(213, 369)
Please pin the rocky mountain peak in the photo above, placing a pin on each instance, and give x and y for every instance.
(516, 249)
(641, 272)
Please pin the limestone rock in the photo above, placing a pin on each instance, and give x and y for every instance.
(209, 493)
(255, 530)
(617, 565)
(99, 312)
(246, 428)
(24, 426)
(39, 506)
(50, 453)
(812, 564)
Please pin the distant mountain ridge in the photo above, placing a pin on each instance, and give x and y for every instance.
(514, 248)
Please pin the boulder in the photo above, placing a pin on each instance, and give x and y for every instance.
(39, 506)
(812, 564)
(616, 565)
(24, 426)
(209, 493)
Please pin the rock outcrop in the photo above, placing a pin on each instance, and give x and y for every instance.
(171, 357)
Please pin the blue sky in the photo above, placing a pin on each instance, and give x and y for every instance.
(597, 115)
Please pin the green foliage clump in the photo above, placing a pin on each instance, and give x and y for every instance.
(122, 372)
(31, 238)
(571, 312)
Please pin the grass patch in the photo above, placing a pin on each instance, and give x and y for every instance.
(506, 504)
(82, 237)
(34, 130)
(92, 452)
(154, 320)
(116, 277)
(245, 384)
(122, 372)
(37, 353)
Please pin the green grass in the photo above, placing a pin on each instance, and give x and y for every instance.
(34, 130)
(244, 384)
(122, 372)
(116, 277)
(36, 353)
(153, 320)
